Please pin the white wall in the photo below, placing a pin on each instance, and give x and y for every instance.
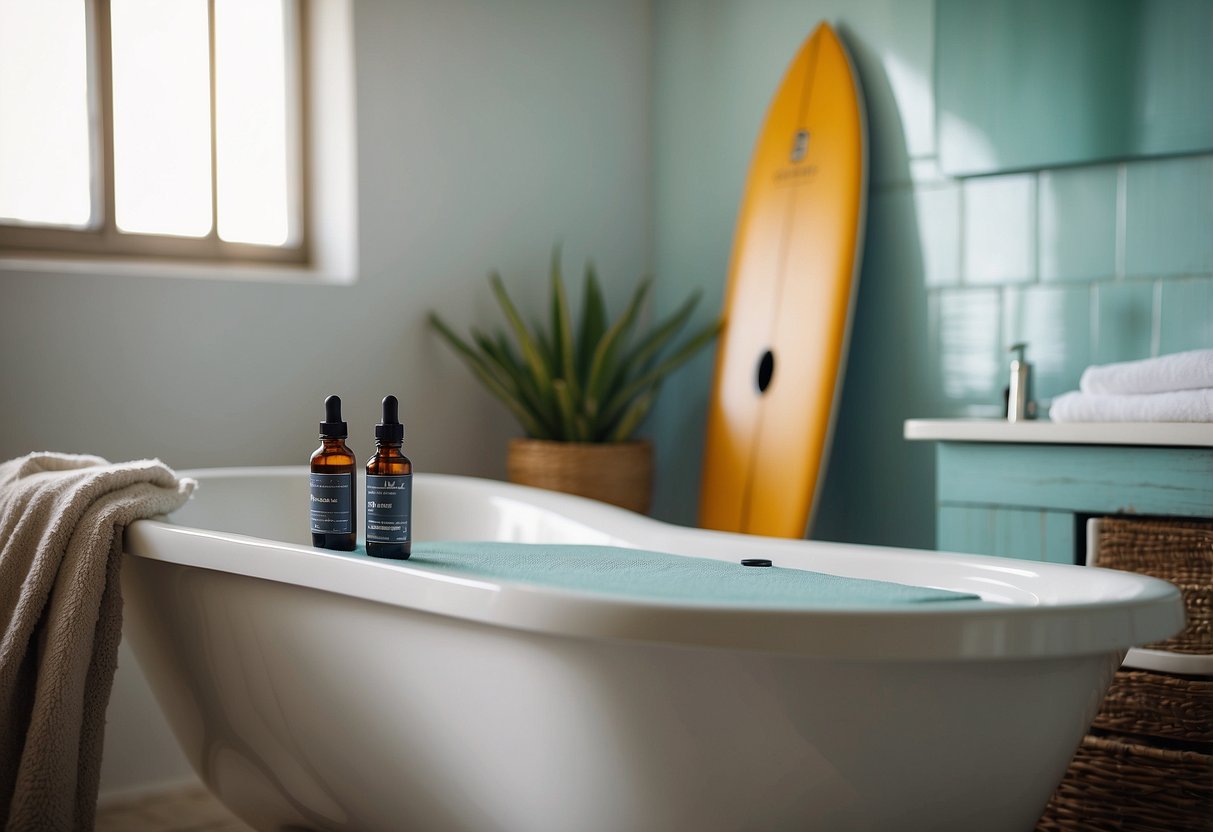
(486, 131)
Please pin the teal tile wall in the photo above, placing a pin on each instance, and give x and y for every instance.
(1055, 322)
(1185, 316)
(1169, 214)
(937, 210)
(964, 331)
(1088, 263)
(1124, 321)
(1031, 84)
(1000, 229)
(1077, 223)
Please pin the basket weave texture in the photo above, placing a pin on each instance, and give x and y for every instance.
(1119, 786)
(1177, 551)
(1159, 705)
(620, 473)
(1149, 763)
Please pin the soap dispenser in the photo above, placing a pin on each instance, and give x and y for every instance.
(1020, 405)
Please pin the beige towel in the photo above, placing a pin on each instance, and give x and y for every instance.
(61, 524)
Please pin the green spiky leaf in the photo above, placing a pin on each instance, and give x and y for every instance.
(595, 384)
(603, 367)
(632, 417)
(491, 382)
(593, 322)
(530, 348)
(657, 374)
(565, 365)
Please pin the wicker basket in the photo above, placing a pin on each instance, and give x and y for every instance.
(1159, 705)
(620, 473)
(1117, 785)
(1177, 551)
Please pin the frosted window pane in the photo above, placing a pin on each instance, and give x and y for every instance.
(44, 141)
(162, 133)
(251, 121)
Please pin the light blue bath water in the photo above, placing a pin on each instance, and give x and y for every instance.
(658, 576)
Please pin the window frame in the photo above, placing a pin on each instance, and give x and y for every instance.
(103, 240)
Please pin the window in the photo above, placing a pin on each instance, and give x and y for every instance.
(153, 128)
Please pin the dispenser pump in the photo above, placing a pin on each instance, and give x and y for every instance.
(332, 427)
(1019, 395)
(390, 429)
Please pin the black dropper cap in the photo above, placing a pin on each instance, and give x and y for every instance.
(390, 429)
(332, 427)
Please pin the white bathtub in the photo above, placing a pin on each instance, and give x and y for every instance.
(311, 690)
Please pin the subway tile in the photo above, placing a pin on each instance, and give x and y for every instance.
(1186, 315)
(999, 229)
(1077, 223)
(964, 325)
(1169, 217)
(937, 212)
(1055, 322)
(1124, 321)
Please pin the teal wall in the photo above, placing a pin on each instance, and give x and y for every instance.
(1088, 264)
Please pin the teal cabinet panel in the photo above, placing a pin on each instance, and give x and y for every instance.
(1077, 478)
(1007, 532)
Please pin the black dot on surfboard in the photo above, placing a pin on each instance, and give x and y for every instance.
(766, 369)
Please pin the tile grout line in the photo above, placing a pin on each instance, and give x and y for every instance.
(1034, 228)
(1122, 218)
(1156, 320)
(1094, 313)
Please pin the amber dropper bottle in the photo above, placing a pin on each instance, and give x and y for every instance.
(389, 490)
(333, 483)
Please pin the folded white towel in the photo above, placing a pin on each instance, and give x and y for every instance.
(1179, 406)
(1191, 370)
(61, 524)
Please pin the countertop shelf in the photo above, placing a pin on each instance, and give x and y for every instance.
(1028, 490)
(1043, 432)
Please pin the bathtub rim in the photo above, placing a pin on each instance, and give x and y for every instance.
(1145, 609)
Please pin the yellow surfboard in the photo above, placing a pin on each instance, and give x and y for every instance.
(792, 281)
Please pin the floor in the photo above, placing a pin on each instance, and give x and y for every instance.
(186, 809)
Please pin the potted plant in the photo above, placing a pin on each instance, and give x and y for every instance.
(580, 390)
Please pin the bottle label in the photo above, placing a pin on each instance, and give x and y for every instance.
(389, 506)
(332, 501)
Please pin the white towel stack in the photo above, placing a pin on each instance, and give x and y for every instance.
(1170, 388)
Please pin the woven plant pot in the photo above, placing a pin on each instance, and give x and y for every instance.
(620, 473)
